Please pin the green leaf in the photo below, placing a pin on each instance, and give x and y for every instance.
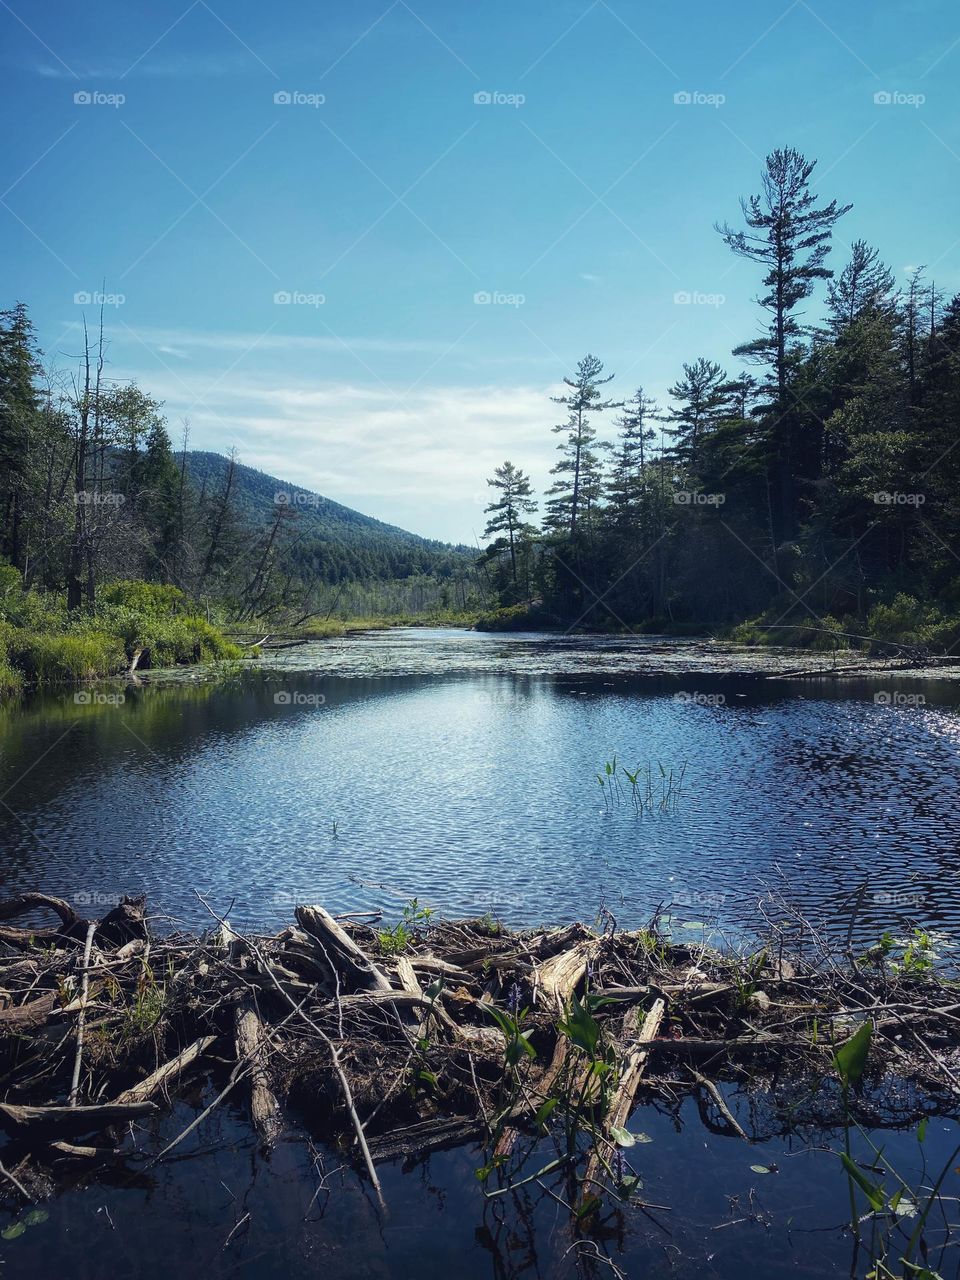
(922, 1129)
(762, 1168)
(35, 1217)
(851, 1058)
(870, 1189)
(15, 1229)
(622, 1137)
(544, 1112)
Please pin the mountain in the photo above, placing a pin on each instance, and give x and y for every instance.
(341, 543)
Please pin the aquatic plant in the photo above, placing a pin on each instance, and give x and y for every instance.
(648, 791)
(396, 940)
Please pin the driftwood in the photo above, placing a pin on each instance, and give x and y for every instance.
(396, 1055)
(252, 1048)
(322, 926)
(68, 1120)
(631, 1073)
(164, 1075)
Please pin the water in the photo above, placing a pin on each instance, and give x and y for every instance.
(461, 769)
(469, 780)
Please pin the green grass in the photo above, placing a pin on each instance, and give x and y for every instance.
(42, 643)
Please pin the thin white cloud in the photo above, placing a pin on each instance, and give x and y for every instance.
(417, 459)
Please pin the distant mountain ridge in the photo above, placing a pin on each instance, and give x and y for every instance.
(350, 543)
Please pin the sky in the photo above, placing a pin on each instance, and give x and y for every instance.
(363, 243)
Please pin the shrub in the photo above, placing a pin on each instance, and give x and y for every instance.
(47, 658)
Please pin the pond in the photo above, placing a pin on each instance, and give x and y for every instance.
(463, 769)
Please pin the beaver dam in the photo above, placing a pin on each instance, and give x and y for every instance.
(535, 1046)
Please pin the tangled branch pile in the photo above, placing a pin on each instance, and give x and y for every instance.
(398, 1044)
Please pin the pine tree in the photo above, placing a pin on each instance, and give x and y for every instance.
(702, 399)
(625, 484)
(508, 516)
(579, 487)
(788, 234)
(19, 413)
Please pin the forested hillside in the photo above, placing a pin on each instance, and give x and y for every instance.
(93, 491)
(813, 483)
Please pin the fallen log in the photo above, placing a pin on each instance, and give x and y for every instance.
(158, 1080)
(631, 1073)
(252, 1048)
(321, 925)
(70, 1120)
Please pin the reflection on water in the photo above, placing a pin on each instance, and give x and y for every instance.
(478, 792)
(218, 1209)
(470, 781)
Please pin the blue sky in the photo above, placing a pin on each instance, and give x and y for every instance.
(382, 198)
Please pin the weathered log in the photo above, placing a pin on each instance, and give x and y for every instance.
(631, 1073)
(560, 975)
(69, 1120)
(321, 925)
(426, 1136)
(164, 1074)
(29, 1016)
(252, 1047)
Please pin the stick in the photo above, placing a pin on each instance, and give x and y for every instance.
(168, 1071)
(82, 1016)
(722, 1107)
